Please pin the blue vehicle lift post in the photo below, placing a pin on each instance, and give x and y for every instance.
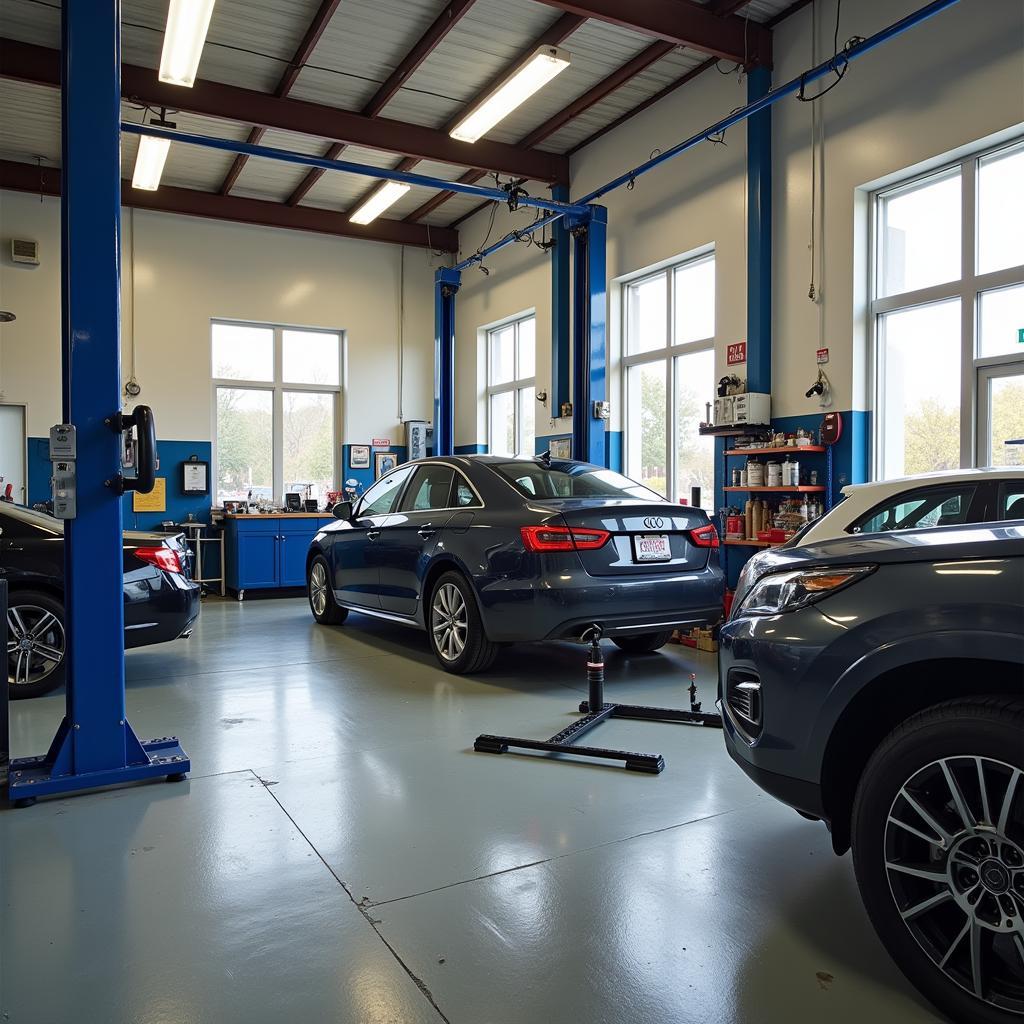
(446, 285)
(94, 745)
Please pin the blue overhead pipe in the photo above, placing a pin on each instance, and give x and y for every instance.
(386, 173)
(832, 65)
(836, 64)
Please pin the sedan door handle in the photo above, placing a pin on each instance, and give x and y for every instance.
(426, 531)
(372, 534)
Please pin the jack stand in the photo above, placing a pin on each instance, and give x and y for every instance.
(597, 711)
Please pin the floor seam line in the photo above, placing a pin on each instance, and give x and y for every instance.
(552, 860)
(362, 907)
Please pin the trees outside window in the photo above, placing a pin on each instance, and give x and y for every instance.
(277, 405)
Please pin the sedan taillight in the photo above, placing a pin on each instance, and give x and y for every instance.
(562, 538)
(705, 536)
(162, 558)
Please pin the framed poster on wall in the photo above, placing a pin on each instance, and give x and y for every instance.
(195, 477)
(359, 456)
(383, 462)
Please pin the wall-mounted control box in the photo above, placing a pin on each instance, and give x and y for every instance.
(64, 478)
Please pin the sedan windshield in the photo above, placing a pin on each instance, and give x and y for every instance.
(570, 480)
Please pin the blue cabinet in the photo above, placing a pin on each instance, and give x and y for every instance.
(267, 552)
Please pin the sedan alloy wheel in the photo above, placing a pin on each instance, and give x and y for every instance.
(35, 643)
(449, 621)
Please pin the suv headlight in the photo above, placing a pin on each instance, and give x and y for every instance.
(786, 591)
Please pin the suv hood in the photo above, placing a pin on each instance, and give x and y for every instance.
(935, 544)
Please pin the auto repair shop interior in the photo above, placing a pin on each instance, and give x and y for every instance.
(512, 511)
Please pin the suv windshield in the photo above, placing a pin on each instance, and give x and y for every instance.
(570, 480)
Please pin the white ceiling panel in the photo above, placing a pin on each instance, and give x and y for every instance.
(362, 45)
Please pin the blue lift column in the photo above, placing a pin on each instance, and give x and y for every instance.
(759, 236)
(561, 332)
(94, 745)
(589, 315)
(446, 286)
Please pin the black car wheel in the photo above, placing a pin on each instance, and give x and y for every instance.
(938, 846)
(456, 629)
(35, 644)
(321, 594)
(645, 643)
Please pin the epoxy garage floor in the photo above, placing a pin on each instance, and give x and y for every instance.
(340, 854)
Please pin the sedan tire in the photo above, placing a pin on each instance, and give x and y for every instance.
(321, 594)
(938, 847)
(455, 628)
(645, 643)
(35, 644)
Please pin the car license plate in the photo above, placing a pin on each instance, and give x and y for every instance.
(652, 547)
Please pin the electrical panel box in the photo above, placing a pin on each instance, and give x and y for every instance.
(417, 438)
(752, 408)
(64, 476)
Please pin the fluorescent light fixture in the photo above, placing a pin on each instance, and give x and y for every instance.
(184, 36)
(387, 195)
(530, 76)
(149, 162)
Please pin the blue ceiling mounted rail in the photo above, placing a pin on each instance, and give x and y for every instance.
(830, 66)
(498, 195)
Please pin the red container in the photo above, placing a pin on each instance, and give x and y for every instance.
(734, 526)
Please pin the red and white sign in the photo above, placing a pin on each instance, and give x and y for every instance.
(822, 355)
(381, 442)
(737, 353)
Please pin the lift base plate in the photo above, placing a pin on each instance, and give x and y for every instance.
(31, 777)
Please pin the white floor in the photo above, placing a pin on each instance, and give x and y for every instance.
(339, 853)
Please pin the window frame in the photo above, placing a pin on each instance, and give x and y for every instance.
(667, 355)
(968, 288)
(278, 387)
(515, 386)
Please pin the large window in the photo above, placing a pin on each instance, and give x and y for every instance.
(511, 392)
(947, 312)
(669, 365)
(277, 396)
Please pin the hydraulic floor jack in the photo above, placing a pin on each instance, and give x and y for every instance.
(597, 711)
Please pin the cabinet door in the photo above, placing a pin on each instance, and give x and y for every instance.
(257, 560)
(293, 546)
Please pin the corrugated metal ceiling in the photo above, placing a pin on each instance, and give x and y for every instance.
(250, 43)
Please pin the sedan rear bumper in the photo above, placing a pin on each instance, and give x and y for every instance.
(563, 606)
(169, 612)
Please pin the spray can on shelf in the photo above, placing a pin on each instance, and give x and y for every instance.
(748, 522)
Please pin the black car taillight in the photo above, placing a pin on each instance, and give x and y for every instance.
(562, 538)
(705, 536)
(163, 558)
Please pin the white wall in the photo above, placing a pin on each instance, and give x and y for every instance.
(187, 271)
(947, 83)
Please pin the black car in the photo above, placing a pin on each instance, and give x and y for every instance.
(161, 602)
(877, 682)
(486, 550)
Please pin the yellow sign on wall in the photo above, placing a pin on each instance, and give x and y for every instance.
(155, 501)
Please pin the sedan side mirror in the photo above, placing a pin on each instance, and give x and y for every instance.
(343, 510)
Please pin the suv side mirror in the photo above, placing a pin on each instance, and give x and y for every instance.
(343, 510)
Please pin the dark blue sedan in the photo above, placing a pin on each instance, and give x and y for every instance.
(487, 550)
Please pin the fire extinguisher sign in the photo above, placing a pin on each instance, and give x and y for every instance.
(737, 353)
(822, 355)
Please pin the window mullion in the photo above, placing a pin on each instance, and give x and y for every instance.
(278, 417)
(670, 388)
(968, 313)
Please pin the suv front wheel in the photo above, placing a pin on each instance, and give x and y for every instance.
(938, 847)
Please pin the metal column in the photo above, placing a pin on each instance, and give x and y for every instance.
(589, 349)
(560, 326)
(94, 745)
(446, 285)
(759, 236)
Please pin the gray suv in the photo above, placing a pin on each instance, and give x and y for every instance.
(876, 682)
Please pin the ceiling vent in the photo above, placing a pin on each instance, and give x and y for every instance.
(25, 251)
